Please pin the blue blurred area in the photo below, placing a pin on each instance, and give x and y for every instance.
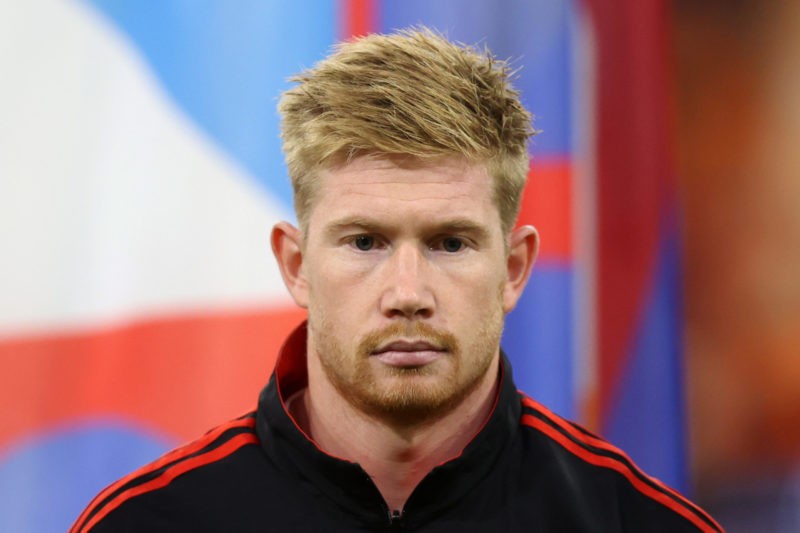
(538, 338)
(225, 66)
(46, 483)
(648, 413)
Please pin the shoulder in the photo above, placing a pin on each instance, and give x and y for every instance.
(198, 459)
(593, 464)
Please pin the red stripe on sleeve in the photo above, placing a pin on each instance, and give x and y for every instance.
(599, 443)
(172, 456)
(685, 508)
(569, 428)
(170, 474)
(614, 464)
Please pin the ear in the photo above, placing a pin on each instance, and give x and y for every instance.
(287, 245)
(522, 250)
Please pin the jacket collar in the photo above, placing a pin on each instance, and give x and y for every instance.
(345, 484)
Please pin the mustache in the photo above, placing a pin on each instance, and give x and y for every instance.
(443, 340)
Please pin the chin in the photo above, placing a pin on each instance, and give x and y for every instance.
(412, 400)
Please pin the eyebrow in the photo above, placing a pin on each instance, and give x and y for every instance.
(454, 225)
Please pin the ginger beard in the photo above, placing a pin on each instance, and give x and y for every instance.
(408, 396)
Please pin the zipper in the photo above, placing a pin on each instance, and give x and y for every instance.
(396, 520)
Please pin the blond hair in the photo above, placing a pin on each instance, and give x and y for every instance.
(410, 93)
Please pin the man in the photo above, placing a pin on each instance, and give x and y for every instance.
(393, 407)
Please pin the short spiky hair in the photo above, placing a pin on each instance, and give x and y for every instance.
(410, 93)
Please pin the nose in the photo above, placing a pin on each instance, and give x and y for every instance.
(408, 291)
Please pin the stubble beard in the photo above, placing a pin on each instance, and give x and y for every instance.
(412, 396)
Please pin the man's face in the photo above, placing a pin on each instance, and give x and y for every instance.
(406, 272)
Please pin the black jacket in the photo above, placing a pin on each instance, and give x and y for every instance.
(527, 470)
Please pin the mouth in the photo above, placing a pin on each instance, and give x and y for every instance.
(408, 353)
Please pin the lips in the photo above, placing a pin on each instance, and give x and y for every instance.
(405, 353)
(407, 346)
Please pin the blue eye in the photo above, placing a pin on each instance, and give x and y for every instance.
(452, 244)
(364, 242)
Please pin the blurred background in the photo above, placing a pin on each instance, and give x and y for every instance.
(140, 175)
(737, 78)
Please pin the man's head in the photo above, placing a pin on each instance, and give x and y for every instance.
(412, 93)
(408, 155)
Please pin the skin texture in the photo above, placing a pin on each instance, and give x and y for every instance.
(407, 277)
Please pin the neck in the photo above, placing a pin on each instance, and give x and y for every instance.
(396, 458)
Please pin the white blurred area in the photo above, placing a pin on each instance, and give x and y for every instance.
(114, 205)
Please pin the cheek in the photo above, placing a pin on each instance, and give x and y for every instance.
(473, 300)
(478, 279)
(337, 287)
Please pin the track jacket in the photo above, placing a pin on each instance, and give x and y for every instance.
(526, 470)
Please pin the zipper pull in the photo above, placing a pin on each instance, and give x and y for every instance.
(396, 520)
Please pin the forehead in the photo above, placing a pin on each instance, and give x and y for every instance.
(381, 182)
